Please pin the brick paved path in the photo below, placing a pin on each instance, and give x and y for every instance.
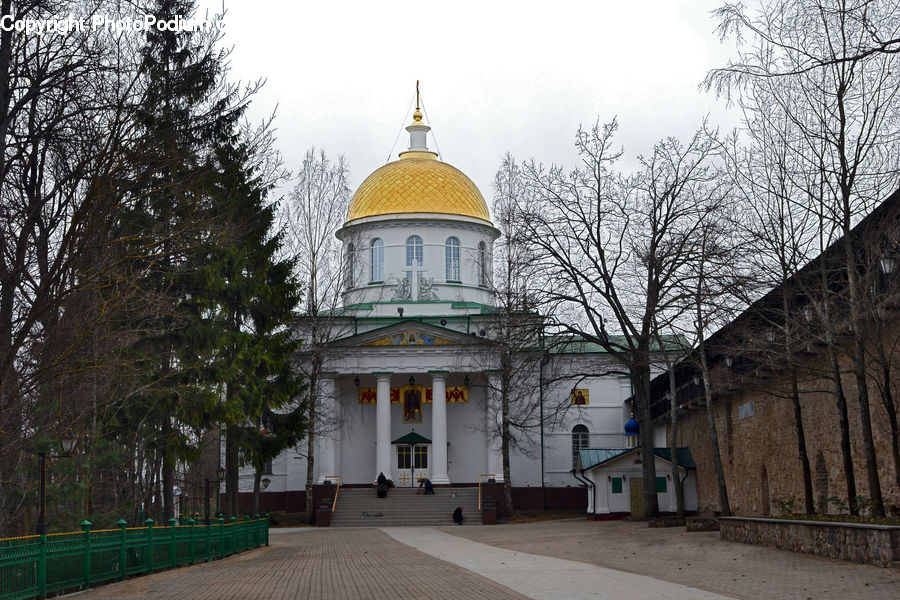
(336, 563)
(368, 563)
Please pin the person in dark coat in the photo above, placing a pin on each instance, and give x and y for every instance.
(457, 515)
(426, 483)
(381, 486)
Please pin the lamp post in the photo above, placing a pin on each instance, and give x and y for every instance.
(888, 263)
(177, 494)
(67, 444)
(220, 477)
(206, 501)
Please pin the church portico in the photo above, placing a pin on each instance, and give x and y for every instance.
(410, 403)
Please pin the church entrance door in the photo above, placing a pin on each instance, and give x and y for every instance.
(412, 464)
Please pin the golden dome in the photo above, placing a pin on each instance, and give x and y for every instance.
(417, 183)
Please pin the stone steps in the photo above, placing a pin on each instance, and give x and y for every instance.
(360, 507)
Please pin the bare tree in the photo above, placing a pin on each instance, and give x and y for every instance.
(845, 107)
(875, 23)
(316, 208)
(613, 248)
(517, 351)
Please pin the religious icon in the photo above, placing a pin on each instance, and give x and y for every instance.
(412, 405)
(580, 397)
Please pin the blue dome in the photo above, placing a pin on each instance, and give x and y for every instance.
(632, 427)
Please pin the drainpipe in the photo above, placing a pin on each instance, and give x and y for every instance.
(587, 482)
(541, 400)
(594, 486)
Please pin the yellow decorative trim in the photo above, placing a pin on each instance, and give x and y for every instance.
(368, 395)
(455, 395)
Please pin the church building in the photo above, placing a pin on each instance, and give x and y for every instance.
(410, 382)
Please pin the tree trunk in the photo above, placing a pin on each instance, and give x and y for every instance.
(862, 386)
(724, 506)
(168, 470)
(231, 508)
(640, 374)
(800, 435)
(311, 439)
(505, 439)
(888, 398)
(673, 441)
(844, 424)
(257, 478)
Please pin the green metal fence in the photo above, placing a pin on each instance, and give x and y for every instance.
(37, 565)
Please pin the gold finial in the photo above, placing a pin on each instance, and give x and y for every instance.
(417, 116)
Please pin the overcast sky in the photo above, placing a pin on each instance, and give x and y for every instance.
(496, 76)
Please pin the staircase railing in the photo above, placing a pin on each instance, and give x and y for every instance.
(336, 491)
(489, 476)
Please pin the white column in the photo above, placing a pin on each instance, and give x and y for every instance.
(493, 416)
(439, 428)
(326, 447)
(383, 426)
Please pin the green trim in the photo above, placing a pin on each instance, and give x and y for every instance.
(412, 438)
(361, 306)
(438, 371)
(381, 373)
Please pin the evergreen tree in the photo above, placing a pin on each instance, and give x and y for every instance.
(184, 110)
(251, 297)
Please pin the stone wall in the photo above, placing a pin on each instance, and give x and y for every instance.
(871, 544)
(759, 448)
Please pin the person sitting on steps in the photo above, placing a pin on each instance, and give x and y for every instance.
(381, 486)
(457, 515)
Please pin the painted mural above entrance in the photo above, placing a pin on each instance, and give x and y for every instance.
(410, 337)
(457, 394)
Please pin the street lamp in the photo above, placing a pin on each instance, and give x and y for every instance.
(220, 477)
(177, 493)
(265, 481)
(888, 263)
(67, 444)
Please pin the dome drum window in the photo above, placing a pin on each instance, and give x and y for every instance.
(452, 260)
(350, 266)
(377, 271)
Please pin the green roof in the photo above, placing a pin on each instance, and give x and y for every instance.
(595, 457)
(412, 438)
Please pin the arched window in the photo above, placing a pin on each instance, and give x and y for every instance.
(349, 266)
(580, 439)
(452, 259)
(377, 261)
(413, 251)
(482, 264)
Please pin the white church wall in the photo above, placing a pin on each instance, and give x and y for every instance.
(358, 441)
(467, 453)
(434, 231)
